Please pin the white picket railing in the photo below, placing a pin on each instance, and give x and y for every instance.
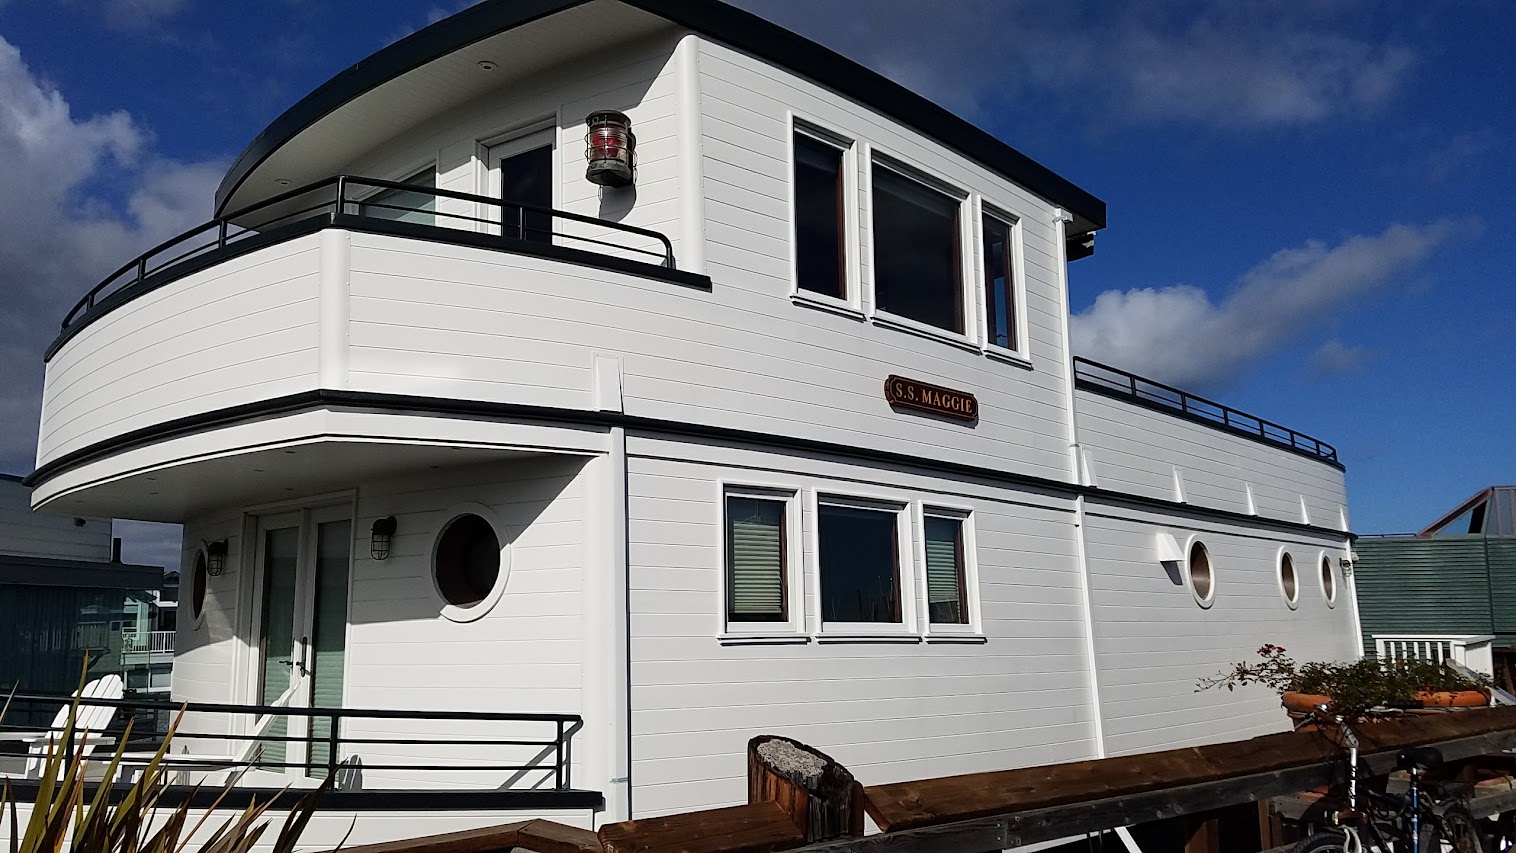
(156, 642)
(1468, 650)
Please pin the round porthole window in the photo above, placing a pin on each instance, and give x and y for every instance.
(466, 565)
(1200, 573)
(1328, 581)
(198, 578)
(1289, 584)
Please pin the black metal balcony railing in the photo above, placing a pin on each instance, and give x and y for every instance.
(327, 745)
(369, 198)
(1115, 382)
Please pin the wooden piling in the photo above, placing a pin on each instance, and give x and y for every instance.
(818, 794)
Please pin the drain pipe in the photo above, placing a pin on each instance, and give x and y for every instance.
(1061, 218)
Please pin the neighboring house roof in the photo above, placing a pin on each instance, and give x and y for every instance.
(53, 571)
(1491, 512)
(727, 24)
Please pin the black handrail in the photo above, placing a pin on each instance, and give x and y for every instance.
(564, 727)
(219, 232)
(1118, 382)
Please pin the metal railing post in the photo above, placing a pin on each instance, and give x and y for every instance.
(332, 741)
(520, 222)
(341, 194)
(558, 770)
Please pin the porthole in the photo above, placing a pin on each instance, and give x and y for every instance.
(1201, 575)
(198, 578)
(1289, 583)
(469, 563)
(1328, 581)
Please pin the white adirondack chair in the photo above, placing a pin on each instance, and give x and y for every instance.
(88, 723)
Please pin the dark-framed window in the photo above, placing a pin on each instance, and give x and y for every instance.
(859, 562)
(756, 564)
(946, 586)
(1000, 281)
(820, 199)
(918, 250)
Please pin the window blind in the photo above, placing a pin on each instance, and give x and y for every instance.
(944, 570)
(755, 560)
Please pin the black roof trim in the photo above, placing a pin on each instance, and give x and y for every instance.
(15, 478)
(368, 400)
(56, 571)
(736, 27)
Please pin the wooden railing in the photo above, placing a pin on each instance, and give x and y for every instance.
(1468, 650)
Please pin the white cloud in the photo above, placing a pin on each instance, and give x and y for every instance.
(1223, 64)
(59, 230)
(1335, 358)
(1178, 334)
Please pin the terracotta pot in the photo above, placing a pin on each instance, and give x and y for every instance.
(1303, 703)
(1455, 699)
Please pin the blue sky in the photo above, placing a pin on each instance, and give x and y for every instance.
(1309, 203)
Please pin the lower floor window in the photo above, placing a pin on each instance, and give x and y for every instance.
(755, 565)
(859, 561)
(945, 593)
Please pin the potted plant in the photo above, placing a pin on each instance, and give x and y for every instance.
(1353, 688)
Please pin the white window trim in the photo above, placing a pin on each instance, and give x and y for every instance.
(1022, 353)
(903, 631)
(1279, 576)
(1331, 600)
(852, 305)
(1189, 582)
(480, 609)
(966, 267)
(791, 630)
(964, 515)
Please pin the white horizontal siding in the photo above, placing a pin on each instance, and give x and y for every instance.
(241, 331)
(1154, 641)
(887, 711)
(1136, 450)
(38, 534)
(745, 105)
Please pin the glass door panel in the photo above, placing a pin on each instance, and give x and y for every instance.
(281, 558)
(334, 544)
(521, 173)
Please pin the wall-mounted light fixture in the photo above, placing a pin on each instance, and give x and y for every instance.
(611, 149)
(215, 558)
(380, 536)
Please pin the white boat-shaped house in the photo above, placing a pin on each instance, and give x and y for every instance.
(575, 389)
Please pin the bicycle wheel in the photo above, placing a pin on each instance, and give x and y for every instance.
(1326, 841)
(1460, 832)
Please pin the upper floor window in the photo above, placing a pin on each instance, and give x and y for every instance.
(859, 563)
(407, 205)
(820, 216)
(756, 537)
(1000, 282)
(918, 257)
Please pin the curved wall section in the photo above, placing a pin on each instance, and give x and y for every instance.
(241, 331)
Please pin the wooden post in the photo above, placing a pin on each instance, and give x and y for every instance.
(817, 793)
(1202, 833)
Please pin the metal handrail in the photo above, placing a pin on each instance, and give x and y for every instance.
(219, 232)
(564, 726)
(1153, 393)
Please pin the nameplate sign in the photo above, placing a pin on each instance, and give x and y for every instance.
(923, 397)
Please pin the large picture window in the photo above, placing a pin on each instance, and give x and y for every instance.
(918, 264)
(859, 562)
(755, 559)
(1000, 282)
(946, 598)
(820, 255)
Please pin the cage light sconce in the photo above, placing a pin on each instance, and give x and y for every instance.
(380, 537)
(610, 148)
(215, 558)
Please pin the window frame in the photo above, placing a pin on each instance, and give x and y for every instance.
(851, 304)
(481, 608)
(1210, 562)
(905, 584)
(968, 290)
(1279, 563)
(968, 573)
(1021, 353)
(1325, 569)
(792, 628)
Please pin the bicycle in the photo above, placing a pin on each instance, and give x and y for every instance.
(1425, 819)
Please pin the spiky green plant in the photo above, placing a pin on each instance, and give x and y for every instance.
(65, 816)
